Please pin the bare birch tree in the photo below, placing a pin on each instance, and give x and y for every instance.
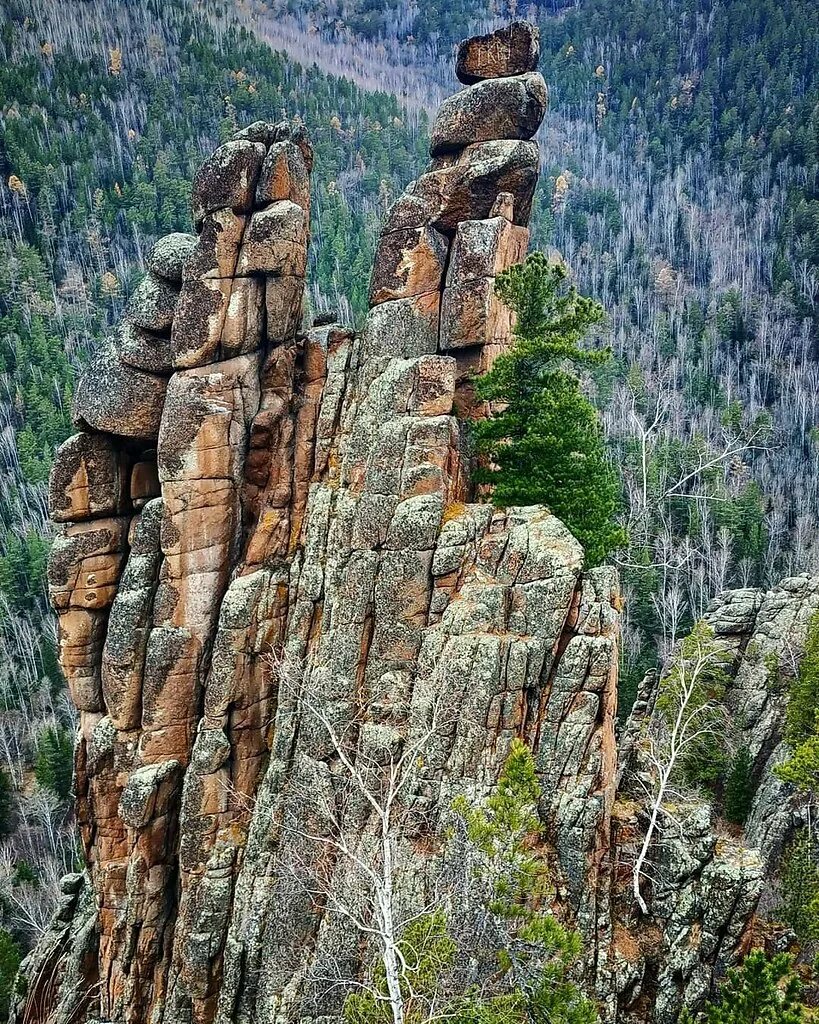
(688, 712)
(378, 769)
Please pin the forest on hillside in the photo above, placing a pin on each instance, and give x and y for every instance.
(679, 183)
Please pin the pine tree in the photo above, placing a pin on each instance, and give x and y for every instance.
(800, 889)
(739, 787)
(534, 950)
(761, 991)
(10, 957)
(534, 947)
(546, 445)
(54, 763)
(803, 699)
(802, 721)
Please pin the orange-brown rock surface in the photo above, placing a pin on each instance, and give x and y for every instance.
(245, 493)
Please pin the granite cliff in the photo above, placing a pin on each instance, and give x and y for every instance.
(245, 494)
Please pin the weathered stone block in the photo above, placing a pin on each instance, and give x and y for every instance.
(149, 792)
(434, 386)
(485, 248)
(284, 298)
(275, 241)
(217, 248)
(123, 657)
(511, 50)
(88, 479)
(409, 261)
(200, 318)
(152, 304)
(118, 399)
(403, 327)
(243, 329)
(85, 563)
(284, 175)
(143, 350)
(80, 637)
(471, 314)
(168, 256)
(227, 179)
(505, 108)
(466, 188)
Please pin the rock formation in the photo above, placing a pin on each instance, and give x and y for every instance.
(247, 500)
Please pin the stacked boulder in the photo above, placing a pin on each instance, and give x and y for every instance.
(247, 503)
(464, 221)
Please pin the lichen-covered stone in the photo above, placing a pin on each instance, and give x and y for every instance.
(408, 261)
(169, 255)
(512, 50)
(143, 349)
(84, 567)
(275, 241)
(404, 327)
(115, 398)
(123, 657)
(284, 175)
(217, 248)
(466, 188)
(89, 479)
(228, 179)
(199, 321)
(504, 108)
(152, 304)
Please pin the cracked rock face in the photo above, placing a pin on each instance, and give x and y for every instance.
(708, 881)
(246, 498)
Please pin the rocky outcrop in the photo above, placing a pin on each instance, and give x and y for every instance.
(254, 510)
(711, 883)
(244, 494)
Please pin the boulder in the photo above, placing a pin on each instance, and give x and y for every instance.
(409, 261)
(115, 398)
(466, 187)
(89, 479)
(265, 132)
(149, 792)
(284, 175)
(152, 304)
(227, 179)
(143, 349)
(503, 108)
(168, 256)
(275, 241)
(512, 50)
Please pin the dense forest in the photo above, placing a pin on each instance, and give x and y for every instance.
(679, 184)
